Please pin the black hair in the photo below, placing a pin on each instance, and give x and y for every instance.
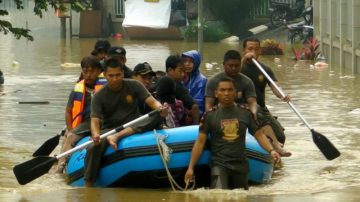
(253, 39)
(232, 55)
(225, 79)
(173, 61)
(114, 63)
(90, 61)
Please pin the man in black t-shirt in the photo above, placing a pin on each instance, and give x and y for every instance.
(251, 49)
(226, 125)
(169, 88)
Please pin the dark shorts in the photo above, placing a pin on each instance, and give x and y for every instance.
(83, 128)
(151, 123)
(224, 178)
(264, 115)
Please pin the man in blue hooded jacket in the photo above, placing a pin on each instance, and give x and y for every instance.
(194, 81)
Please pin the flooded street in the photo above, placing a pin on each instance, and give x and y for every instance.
(45, 71)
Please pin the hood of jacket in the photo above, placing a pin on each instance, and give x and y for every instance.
(195, 55)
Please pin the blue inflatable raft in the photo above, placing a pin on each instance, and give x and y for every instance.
(137, 162)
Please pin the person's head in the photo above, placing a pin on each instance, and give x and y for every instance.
(225, 91)
(144, 73)
(90, 69)
(252, 45)
(191, 60)
(232, 63)
(118, 52)
(114, 73)
(159, 74)
(100, 49)
(175, 67)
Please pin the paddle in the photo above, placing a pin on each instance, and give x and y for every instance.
(325, 146)
(38, 166)
(49, 145)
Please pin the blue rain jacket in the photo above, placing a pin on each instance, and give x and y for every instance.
(197, 81)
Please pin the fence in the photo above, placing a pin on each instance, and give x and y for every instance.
(263, 10)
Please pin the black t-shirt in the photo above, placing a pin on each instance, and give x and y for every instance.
(167, 90)
(226, 127)
(259, 80)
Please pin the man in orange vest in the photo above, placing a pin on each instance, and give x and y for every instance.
(77, 113)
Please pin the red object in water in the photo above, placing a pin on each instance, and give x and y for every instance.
(117, 35)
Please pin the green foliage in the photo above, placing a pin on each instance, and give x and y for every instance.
(213, 32)
(39, 7)
(232, 12)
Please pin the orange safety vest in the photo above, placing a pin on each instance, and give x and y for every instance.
(79, 99)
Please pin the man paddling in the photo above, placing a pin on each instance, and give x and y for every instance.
(251, 49)
(77, 112)
(245, 90)
(226, 125)
(115, 104)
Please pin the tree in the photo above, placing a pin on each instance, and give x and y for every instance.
(39, 7)
(232, 12)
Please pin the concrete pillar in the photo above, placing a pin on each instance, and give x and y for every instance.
(322, 22)
(342, 32)
(355, 33)
(332, 31)
(316, 18)
(63, 27)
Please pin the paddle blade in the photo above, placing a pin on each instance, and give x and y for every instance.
(32, 169)
(48, 146)
(325, 146)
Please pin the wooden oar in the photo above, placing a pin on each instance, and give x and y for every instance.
(38, 166)
(325, 146)
(49, 145)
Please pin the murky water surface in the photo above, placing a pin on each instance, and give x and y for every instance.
(46, 69)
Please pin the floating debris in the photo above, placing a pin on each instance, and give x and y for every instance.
(35, 102)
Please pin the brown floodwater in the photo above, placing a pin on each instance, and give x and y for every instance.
(45, 71)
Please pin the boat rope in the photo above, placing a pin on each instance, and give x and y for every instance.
(164, 152)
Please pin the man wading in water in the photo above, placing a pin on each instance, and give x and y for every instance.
(226, 125)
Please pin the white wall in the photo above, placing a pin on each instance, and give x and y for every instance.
(337, 26)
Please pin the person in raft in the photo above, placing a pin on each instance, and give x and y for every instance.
(116, 104)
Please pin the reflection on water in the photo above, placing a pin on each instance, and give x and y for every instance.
(327, 100)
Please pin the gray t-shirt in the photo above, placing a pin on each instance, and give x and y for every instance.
(243, 84)
(116, 108)
(227, 130)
